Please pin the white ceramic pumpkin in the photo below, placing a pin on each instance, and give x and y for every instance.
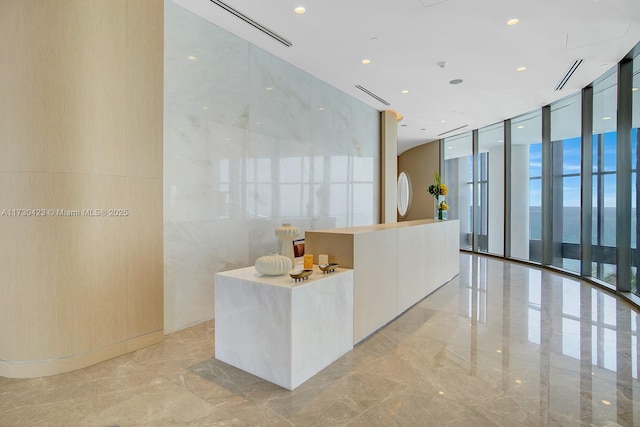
(273, 265)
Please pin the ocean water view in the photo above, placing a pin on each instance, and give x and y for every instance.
(571, 225)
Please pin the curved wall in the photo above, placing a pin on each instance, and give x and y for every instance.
(80, 132)
(419, 163)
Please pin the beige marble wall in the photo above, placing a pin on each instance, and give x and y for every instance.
(389, 167)
(80, 182)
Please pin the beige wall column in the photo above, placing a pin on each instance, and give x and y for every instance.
(419, 163)
(389, 167)
(80, 182)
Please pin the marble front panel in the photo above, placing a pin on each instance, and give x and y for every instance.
(281, 330)
(250, 142)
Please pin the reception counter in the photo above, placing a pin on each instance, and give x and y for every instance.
(394, 265)
(281, 330)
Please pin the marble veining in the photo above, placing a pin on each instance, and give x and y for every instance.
(250, 142)
(502, 344)
(282, 330)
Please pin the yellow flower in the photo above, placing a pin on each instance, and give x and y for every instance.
(437, 188)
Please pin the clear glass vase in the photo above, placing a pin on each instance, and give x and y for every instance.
(439, 214)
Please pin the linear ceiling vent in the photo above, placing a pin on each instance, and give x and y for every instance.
(452, 130)
(371, 94)
(253, 23)
(572, 69)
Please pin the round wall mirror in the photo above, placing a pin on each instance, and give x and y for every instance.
(404, 194)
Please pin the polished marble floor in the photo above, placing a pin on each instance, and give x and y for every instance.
(500, 345)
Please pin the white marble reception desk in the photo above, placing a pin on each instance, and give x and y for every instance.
(280, 330)
(394, 265)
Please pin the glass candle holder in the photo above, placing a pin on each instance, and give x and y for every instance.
(308, 261)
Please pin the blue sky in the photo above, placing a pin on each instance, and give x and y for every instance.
(571, 164)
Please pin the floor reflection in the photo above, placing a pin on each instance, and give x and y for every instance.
(576, 343)
(501, 344)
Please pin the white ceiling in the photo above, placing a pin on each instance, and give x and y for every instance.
(407, 39)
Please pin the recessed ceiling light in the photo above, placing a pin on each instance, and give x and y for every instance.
(513, 21)
(191, 58)
(500, 141)
(300, 10)
(366, 61)
(498, 351)
(205, 108)
(634, 89)
(520, 127)
(441, 392)
(269, 88)
(321, 109)
(443, 121)
(518, 381)
(404, 92)
(455, 81)
(606, 402)
(373, 39)
(606, 118)
(449, 148)
(520, 69)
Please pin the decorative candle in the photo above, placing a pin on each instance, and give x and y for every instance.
(323, 259)
(308, 261)
(286, 233)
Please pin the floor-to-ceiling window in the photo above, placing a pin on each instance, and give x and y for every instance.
(490, 170)
(572, 189)
(604, 179)
(458, 176)
(565, 175)
(526, 186)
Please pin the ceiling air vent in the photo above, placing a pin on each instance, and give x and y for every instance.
(572, 69)
(371, 94)
(253, 23)
(452, 130)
